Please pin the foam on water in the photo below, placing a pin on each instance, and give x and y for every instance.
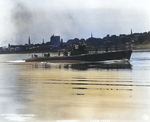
(123, 61)
(17, 61)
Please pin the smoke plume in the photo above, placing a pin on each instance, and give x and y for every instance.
(22, 20)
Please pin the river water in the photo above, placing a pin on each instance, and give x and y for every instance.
(59, 92)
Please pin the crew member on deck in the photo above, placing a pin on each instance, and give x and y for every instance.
(106, 49)
(66, 53)
(59, 53)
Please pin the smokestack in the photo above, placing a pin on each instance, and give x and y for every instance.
(131, 31)
(61, 40)
(29, 40)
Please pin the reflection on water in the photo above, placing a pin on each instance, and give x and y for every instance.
(101, 92)
(96, 66)
(87, 66)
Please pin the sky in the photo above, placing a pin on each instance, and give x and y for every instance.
(70, 19)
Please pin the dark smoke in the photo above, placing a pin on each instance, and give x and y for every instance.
(22, 19)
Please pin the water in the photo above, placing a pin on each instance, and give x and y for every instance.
(55, 92)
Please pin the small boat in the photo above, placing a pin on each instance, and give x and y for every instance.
(79, 53)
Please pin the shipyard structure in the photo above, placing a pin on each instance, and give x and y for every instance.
(52, 45)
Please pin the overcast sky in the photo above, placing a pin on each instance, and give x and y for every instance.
(70, 19)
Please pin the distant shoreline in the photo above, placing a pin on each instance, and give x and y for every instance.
(134, 50)
(141, 50)
(26, 52)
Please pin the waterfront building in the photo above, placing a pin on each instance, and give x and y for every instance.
(55, 41)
